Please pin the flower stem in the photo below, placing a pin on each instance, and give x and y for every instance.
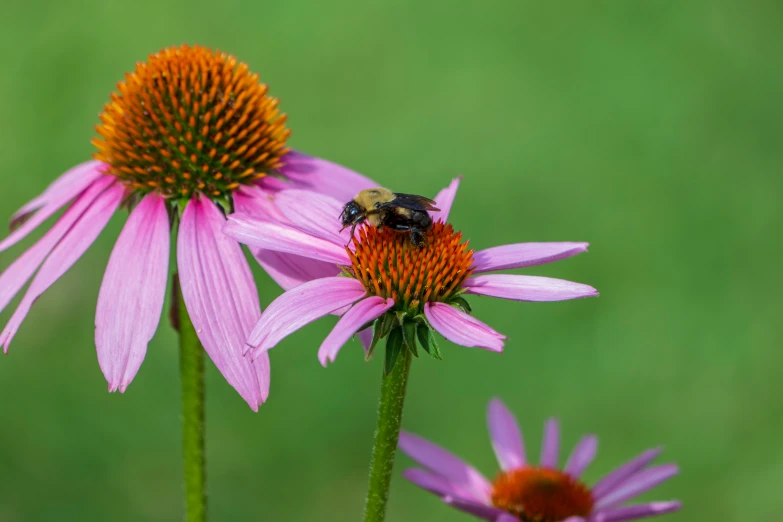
(191, 369)
(387, 433)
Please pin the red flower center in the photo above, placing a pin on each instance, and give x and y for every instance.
(541, 495)
(389, 265)
(191, 120)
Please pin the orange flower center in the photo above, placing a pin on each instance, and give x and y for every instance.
(389, 265)
(541, 495)
(191, 120)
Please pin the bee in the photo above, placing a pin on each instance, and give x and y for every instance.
(380, 207)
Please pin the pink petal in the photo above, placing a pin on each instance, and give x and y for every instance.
(56, 195)
(635, 512)
(78, 239)
(606, 484)
(454, 495)
(445, 199)
(550, 447)
(17, 274)
(221, 297)
(365, 337)
(282, 238)
(582, 456)
(527, 288)
(290, 271)
(447, 465)
(300, 306)
(478, 509)
(316, 214)
(318, 175)
(505, 435)
(362, 312)
(435, 483)
(132, 292)
(636, 485)
(287, 270)
(258, 203)
(460, 328)
(523, 254)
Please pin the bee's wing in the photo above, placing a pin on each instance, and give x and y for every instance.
(413, 202)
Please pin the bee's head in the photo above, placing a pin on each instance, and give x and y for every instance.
(352, 213)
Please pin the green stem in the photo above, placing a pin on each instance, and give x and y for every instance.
(387, 434)
(191, 369)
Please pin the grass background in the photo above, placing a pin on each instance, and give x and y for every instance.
(650, 129)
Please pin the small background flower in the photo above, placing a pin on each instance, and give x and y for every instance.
(649, 130)
(537, 490)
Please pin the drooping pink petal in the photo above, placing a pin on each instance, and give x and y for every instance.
(550, 447)
(447, 465)
(362, 312)
(520, 255)
(79, 176)
(582, 455)
(365, 337)
(436, 484)
(445, 199)
(505, 435)
(636, 484)
(282, 238)
(132, 292)
(527, 288)
(311, 173)
(78, 239)
(635, 512)
(316, 214)
(290, 271)
(17, 274)
(478, 509)
(615, 477)
(300, 306)
(61, 191)
(460, 328)
(221, 298)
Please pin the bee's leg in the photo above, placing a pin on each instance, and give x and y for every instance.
(417, 237)
(353, 228)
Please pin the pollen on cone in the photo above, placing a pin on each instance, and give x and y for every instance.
(188, 120)
(541, 495)
(389, 265)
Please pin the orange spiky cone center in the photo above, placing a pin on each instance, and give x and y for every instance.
(191, 120)
(389, 265)
(536, 494)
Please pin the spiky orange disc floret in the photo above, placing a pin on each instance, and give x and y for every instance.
(389, 265)
(541, 495)
(191, 120)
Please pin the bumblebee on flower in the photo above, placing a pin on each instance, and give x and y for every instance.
(402, 291)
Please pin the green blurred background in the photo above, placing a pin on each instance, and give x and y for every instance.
(650, 129)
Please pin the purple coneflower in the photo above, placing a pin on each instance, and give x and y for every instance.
(526, 492)
(402, 290)
(189, 135)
